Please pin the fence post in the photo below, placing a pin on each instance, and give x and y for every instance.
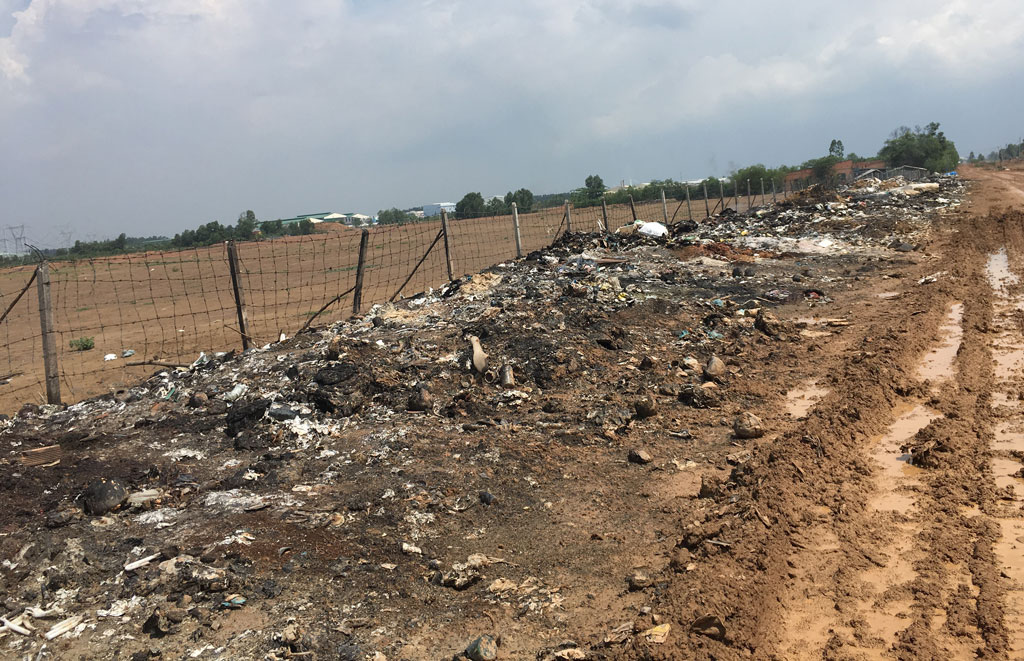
(721, 193)
(604, 214)
(689, 211)
(664, 206)
(568, 218)
(748, 196)
(236, 286)
(762, 191)
(357, 294)
(447, 245)
(49, 337)
(632, 208)
(707, 209)
(773, 192)
(515, 226)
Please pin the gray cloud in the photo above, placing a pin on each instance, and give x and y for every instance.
(148, 116)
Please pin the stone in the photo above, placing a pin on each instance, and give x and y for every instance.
(640, 457)
(282, 412)
(747, 425)
(103, 495)
(710, 487)
(638, 580)
(680, 559)
(421, 400)
(691, 363)
(768, 323)
(198, 400)
(243, 416)
(484, 648)
(646, 407)
(715, 368)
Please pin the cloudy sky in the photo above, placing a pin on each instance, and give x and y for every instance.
(150, 116)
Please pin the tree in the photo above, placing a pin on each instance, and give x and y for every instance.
(394, 216)
(471, 204)
(523, 199)
(924, 148)
(970, 157)
(836, 149)
(594, 187)
(496, 206)
(120, 242)
(246, 225)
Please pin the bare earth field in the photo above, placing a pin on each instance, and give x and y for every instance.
(360, 492)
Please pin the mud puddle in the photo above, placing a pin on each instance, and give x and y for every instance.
(802, 399)
(937, 365)
(1008, 437)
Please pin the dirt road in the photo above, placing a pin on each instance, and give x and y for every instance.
(892, 521)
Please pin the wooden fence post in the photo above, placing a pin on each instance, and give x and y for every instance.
(773, 192)
(568, 218)
(49, 336)
(748, 196)
(604, 214)
(236, 287)
(762, 191)
(515, 226)
(632, 208)
(689, 211)
(664, 206)
(707, 209)
(721, 193)
(357, 295)
(447, 245)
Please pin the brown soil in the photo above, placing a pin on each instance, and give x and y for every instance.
(878, 518)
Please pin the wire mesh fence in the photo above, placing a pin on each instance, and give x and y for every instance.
(116, 319)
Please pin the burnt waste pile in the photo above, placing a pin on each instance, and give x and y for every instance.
(500, 467)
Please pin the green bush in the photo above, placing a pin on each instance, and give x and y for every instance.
(82, 344)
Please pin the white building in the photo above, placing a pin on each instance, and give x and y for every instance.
(435, 208)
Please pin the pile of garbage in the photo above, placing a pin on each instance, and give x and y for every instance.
(391, 485)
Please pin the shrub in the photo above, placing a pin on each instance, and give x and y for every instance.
(82, 344)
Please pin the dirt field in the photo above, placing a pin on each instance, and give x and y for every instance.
(170, 306)
(370, 496)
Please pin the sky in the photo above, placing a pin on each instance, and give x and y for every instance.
(152, 116)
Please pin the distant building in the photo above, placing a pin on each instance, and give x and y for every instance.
(435, 208)
(845, 171)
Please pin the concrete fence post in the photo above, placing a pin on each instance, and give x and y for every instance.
(447, 245)
(664, 206)
(50, 366)
(515, 227)
(568, 218)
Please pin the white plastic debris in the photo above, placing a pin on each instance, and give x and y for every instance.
(64, 626)
(110, 356)
(652, 229)
(141, 562)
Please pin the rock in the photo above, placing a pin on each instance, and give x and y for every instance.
(330, 376)
(749, 272)
(747, 425)
(244, 416)
(768, 323)
(484, 648)
(900, 246)
(421, 400)
(710, 487)
(698, 397)
(486, 497)
(737, 272)
(646, 407)
(640, 457)
(647, 363)
(334, 348)
(715, 369)
(638, 580)
(198, 400)
(282, 412)
(679, 559)
(103, 495)
(798, 278)
(691, 363)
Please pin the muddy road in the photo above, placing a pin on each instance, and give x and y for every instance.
(359, 492)
(893, 514)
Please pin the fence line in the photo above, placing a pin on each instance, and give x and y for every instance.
(97, 325)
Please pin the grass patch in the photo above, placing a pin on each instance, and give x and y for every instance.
(82, 344)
